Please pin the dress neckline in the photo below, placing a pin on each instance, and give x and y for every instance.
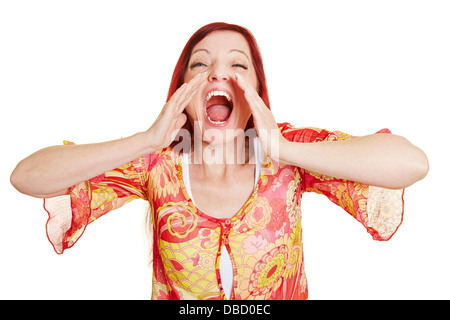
(240, 214)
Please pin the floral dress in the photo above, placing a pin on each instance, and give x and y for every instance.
(263, 239)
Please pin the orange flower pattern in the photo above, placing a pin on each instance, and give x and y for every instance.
(264, 239)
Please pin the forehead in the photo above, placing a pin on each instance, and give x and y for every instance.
(227, 41)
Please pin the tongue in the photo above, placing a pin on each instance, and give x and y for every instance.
(218, 112)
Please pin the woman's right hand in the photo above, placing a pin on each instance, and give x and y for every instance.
(165, 128)
(49, 172)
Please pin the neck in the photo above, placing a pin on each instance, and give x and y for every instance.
(222, 158)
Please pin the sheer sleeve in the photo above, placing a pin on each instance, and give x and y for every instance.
(379, 210)
(89, 200)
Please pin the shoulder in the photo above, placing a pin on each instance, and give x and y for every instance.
(309, 134)
(167, 157)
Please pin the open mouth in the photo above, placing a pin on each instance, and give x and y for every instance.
(218, 107)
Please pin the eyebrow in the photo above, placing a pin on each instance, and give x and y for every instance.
(195, 51)
(236, 50)
(232, 50)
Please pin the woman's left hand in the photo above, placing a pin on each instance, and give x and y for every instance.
(266, 127)
(363, 159)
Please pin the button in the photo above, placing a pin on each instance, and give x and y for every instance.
(227, 222)
(225, 241)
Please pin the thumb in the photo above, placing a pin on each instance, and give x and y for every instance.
(181, 120)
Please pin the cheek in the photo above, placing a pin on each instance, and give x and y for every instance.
(187, 77)
(190, 74)
(255, 84)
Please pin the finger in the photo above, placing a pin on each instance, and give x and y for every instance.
(192, 88)
(262, 116)
(183, 90)
(242, 84)
(179, 96)
(249, 91)
(194, 84)
(254, 100)
(180, 121)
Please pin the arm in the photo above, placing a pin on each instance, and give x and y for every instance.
(381, 160)
(52, 171)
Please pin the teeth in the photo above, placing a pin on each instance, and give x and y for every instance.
(215, 94)
(216, 122)
(218, 93)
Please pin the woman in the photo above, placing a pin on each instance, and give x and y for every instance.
(223, 179)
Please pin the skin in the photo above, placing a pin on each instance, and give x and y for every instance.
(220, 188)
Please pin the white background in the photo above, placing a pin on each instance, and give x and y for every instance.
(91, 71)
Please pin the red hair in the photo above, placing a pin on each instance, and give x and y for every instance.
(182, 64)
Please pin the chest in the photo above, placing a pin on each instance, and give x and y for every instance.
(262, 235)
(275, 198)
(222, 198)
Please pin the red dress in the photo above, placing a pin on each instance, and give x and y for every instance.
(263, 239)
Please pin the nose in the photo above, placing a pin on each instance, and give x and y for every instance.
(219, 73)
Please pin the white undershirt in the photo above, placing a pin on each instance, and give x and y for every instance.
(225, 265)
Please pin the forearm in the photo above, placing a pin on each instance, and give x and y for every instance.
(51, 171)
(382, 160)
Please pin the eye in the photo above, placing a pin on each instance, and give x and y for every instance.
(238, 65)
(197, 64)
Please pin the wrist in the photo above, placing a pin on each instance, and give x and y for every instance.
(143, 141)
(277, 147)
(285, 151)
(294, 153)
